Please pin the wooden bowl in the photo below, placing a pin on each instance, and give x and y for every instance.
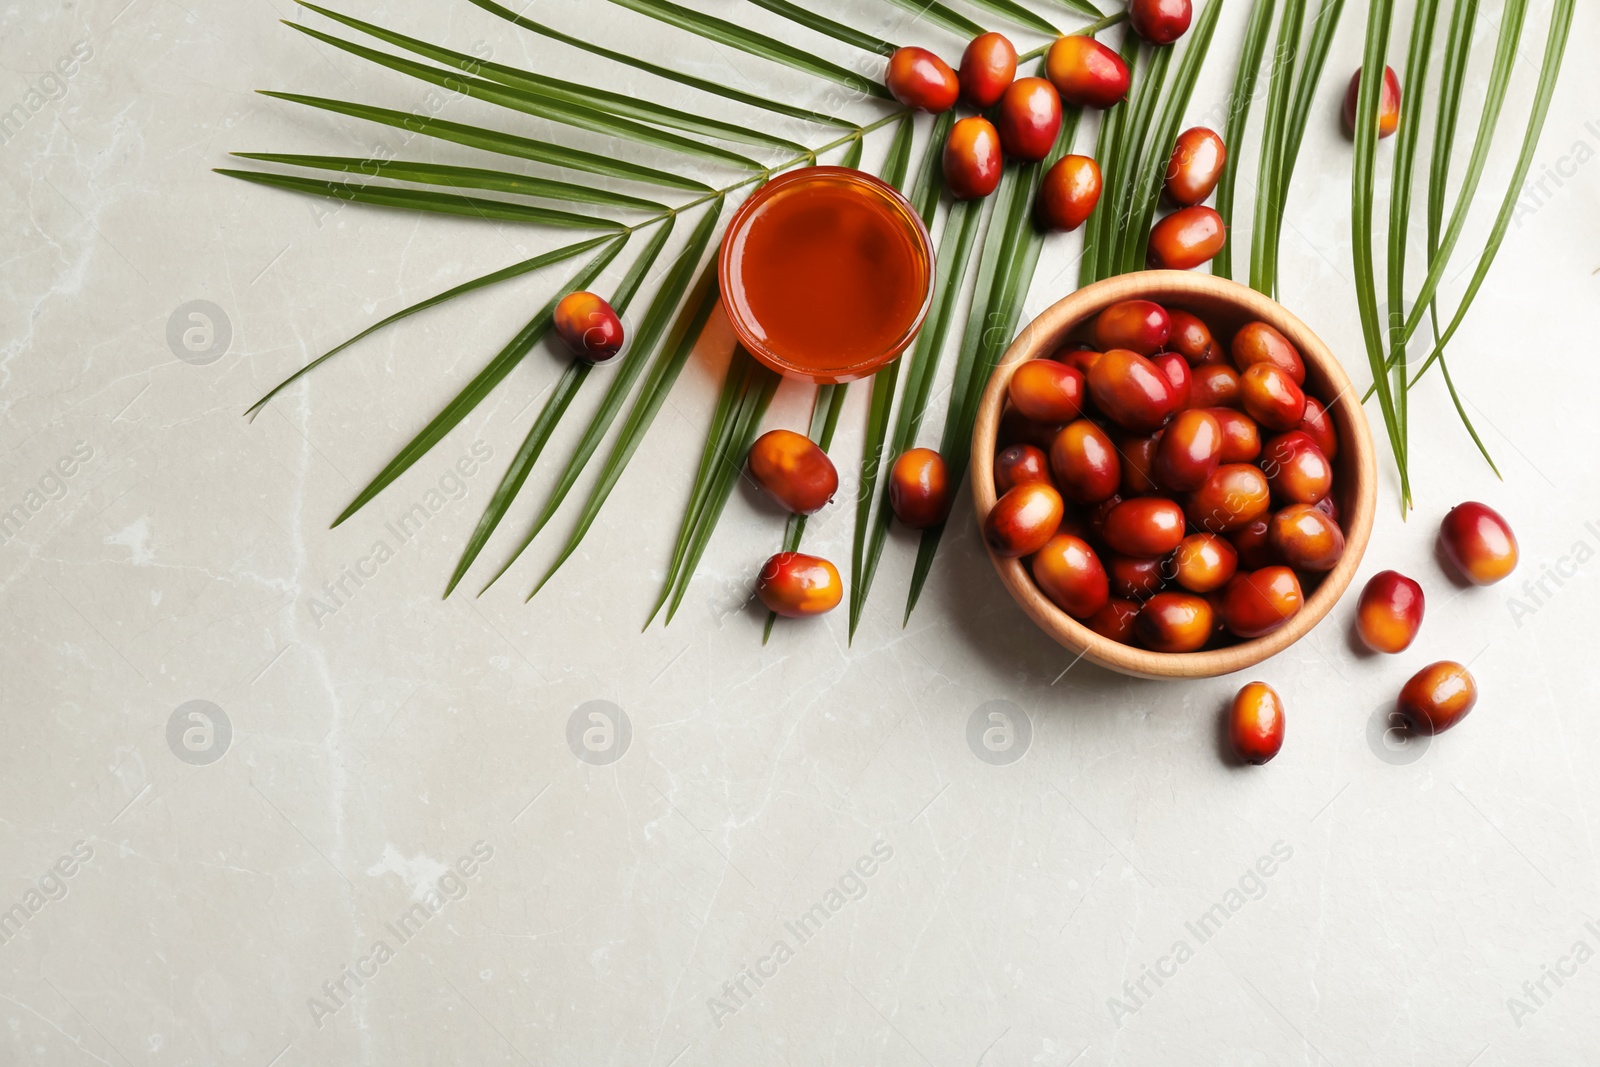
(1225, 306)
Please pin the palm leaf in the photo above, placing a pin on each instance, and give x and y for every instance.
(704, 85)
(475, 207)
(1015, 13)
(499, 181)
(1309, 77)
(757, 44)
(822, 24)
(943, 16)
(1263, 261)
(482, 385)
(1239, 102)
(539, 104)
(516, 270)
(505, 144)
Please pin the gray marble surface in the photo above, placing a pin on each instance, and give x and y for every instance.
(792, 854)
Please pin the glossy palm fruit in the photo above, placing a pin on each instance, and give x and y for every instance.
(1086, 73)
(1134, 578)
(1115, 619)
(1190, 450)
(1296, 469)
(987, 67)
(919, 488)
(1234, 496)
(1255, 723)
(1196, 165)
(972, 159)
(1317, 424)
(1191, 338)
(1131, 391)
(1271, 397)
(1046, 391)
(796, 585)
(1390, 612)
(1214, 385)
(1479, 542)
(1241, 438)
(1253, 543)
(1023, 520)
(1257, 603)
(1070, 574)
(1138, 456)
(1388, 103)
(1095, 516)
(1306, 538)
(1141, 326)
(1174, 622)
(1186, 238)
(1080, 359)
(918, 78)
(1204, 562)
(1258, 342)
(1085, 462)
(1016, 464)
(1069, 192)
(1144, 526)
(1030, 118)
(588, 326)
(1176, 369)
(1437, 697)
(793, 471)
(1159, 21)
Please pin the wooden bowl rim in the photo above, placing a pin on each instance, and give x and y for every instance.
(1051, 329)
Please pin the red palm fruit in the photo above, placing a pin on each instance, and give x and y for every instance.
(1306, 538)
(1174, 622)
(1257, 603)
(1390, 612)
(1271, 397)
(1437, 697)
(1085, 462)
(1023, 520)
(1479, 542)
(1095, 516)
(1190, 450)
(1296, 469)
(1191, 338)
(796, 585)
(1388, 103)
(919, 488)
(1233, 497)
(1086, 73)
(1131, 391)
(1176, 369)
(1255, 723)
(1069, 192)
(1253, 542)
(1196, 165)
(1213, 385)
(1046, 391)
(1241, 438)
(1257, 342)
(918, 78)
(1016, 464)
(1159, 21)
(793, 471)
(1204, 562)
(1146, 526)
(972, 159)
(1141, 326)
(1138, 455)
(588, 326)
(1115, 619)
(1317, 424)
(1133, 578)
(1186, 238)
(1030, 118)
(1070, 574)
(1080, 359)
(987, 67)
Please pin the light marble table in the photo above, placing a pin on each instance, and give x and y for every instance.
(398, 769)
